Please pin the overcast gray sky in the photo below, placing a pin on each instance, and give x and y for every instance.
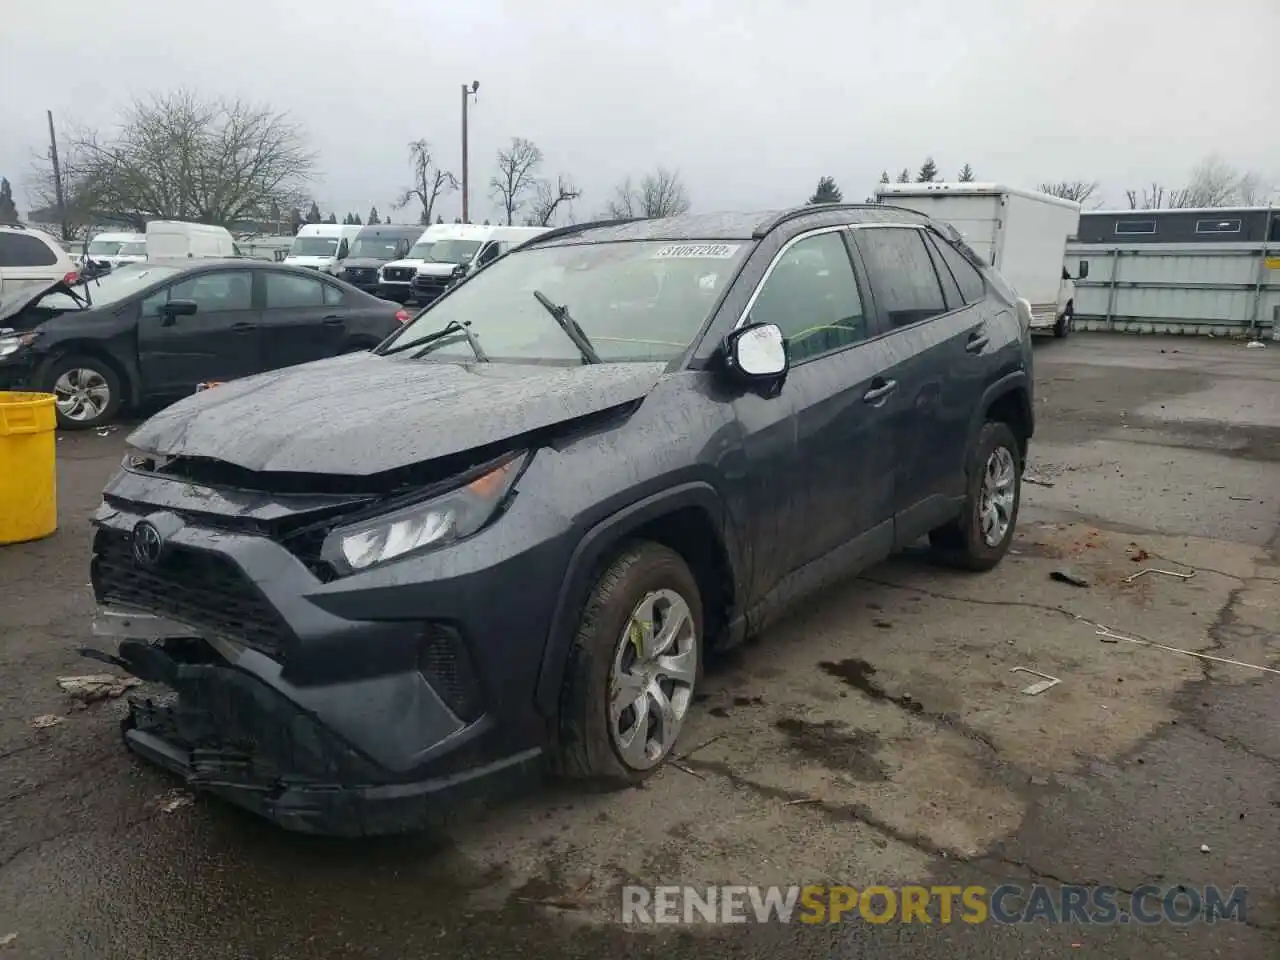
(752, 100)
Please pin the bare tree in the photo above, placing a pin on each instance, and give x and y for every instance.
(429, 181)
(549, 199)
(517, 175)
(1215, 183)
(177, 156)
(1158, 197)
(623, 204)
(1078, 190)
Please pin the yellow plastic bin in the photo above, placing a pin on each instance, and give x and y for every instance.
(28, 467)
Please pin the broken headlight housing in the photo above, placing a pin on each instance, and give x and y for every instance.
(11, 343)
(442, 519)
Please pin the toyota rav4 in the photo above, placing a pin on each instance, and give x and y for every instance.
(503, 541)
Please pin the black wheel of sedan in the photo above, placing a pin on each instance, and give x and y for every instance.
(633, 668)
(86, 392)
(979, 538)
(1066, 323)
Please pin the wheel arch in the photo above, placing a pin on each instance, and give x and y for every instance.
(1008, 401)
(94, 350)
(689, 519)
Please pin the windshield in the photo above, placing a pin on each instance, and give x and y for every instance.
(420, 250)
(376, 248)
(314, 247)
(104, 248)
(454, 251)
(635, 301)
(133, 249)
(116, 285)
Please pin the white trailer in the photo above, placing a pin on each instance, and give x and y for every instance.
(1021, 233)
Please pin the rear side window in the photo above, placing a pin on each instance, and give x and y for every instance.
(284, 290)
(332, 295)
(972, 286)
(902, 274)
(20, 250)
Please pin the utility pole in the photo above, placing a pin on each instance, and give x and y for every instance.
(466, 183)
(57, 179)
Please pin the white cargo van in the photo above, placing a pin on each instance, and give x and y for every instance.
(455, 250)
(113, 249)
(170, 239)
(321, 246)
(1021, 233)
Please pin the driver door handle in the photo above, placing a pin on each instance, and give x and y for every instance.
(332, 321)
(243, 327)
(880, 388)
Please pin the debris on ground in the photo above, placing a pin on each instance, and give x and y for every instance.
(1043, 684)
(98, 686)
(105, 431)
(1167, 573)
(1037, 481)
(1139, 555)
(1107, 635)
(1067, 575)
(7, 939)
(1204, 848)
(1254, 344)
(175, 800)
(573, 901)
(1243, 499)
(44, 721)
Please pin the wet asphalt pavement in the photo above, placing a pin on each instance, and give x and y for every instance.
(875, 738)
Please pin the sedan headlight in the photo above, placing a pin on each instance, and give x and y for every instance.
(9, 345)
(430, 523)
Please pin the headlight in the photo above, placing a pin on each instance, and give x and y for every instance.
(11, 345)
(431, 523)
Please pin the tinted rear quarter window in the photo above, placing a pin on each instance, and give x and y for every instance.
(20, 250)
(284, 290)
(902, 274)
(972, 287)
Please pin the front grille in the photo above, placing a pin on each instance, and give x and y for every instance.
(203, 590)
(444, 663)
(361, 275)
(430, 286)
(399, 274)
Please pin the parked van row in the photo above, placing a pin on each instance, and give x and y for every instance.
(443, 254)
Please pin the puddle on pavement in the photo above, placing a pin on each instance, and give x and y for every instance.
(858, 673)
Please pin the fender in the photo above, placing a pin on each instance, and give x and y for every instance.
(1018, 381)
(123, 360)
(578, 577)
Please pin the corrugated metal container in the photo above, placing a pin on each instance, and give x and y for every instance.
(1225, 289)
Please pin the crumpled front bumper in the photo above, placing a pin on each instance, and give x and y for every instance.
(228, 732)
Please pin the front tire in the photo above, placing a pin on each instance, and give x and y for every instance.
(633, 669)
(979, 538)
(1066, 323)
(87, 392)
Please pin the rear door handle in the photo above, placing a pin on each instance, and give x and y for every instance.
(879, 390)
(332, 321)
(243, 327)
(977, 342)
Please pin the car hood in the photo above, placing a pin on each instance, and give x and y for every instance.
(433, 268)
(12, 304)
(363, 262)
(363, 414)
(404, 263)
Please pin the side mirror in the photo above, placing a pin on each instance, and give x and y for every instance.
(756, 353)
(177, 308)
(1083, 270)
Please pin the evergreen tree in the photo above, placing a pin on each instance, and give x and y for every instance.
(966, 174)
(313, 215)
(928, 171)
(373, 220)
(8, 209)
(439, 218)
(904, 176)
(827, 191)
(295, 220)
(333, 218)
(884, 177)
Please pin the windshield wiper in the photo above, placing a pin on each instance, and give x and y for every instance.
(574, 332)
(427, 342)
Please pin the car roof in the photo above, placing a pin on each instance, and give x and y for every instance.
(728, 226)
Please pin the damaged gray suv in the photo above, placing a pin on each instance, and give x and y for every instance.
(503, 541)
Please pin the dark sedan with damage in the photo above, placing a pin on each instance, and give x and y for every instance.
(503, 541)
(154, 331)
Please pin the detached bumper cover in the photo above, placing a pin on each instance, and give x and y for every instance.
(230, 733)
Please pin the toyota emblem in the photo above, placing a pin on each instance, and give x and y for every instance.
(148, 544)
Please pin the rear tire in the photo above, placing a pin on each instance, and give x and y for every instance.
(1066, 323)
(980, 536)
(87, 391)
(633, 668)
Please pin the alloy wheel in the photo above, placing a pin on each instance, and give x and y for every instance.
(995, 511)
(81, 394)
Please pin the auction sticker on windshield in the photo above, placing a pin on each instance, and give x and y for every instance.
(714, 251)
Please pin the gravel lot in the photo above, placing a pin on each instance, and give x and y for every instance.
(888, 707)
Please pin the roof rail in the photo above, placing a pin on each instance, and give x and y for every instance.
(573, 228)
(809, 209)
